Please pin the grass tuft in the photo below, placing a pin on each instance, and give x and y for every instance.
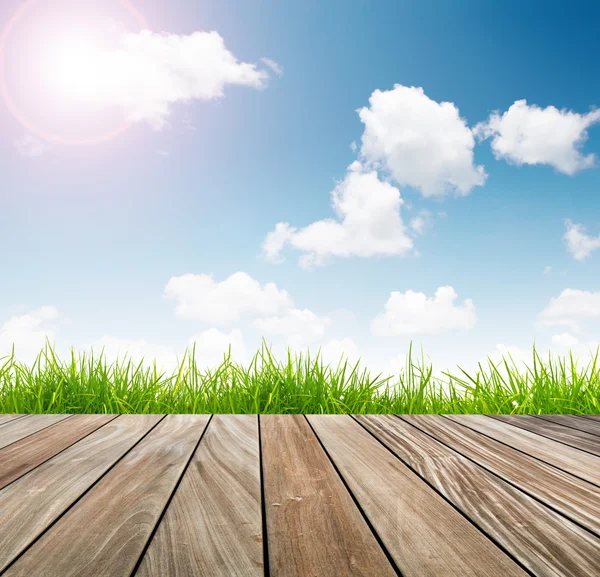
(88, 383)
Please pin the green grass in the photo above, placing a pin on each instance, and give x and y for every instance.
(301, 384)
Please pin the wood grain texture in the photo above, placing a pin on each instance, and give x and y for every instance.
(19, 428)
(425, 535)
(33, 502)
(22, 456)
(573, 497)
(574, 422)
(213, 525)
(105, 533)
(542, 540)
(313, 525)
(574, 461)
(8, 418)
(577, 439)
(593, 417)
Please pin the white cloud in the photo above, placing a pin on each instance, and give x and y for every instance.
(532, 135)
(212, 345)
(274, 66)
(547, 270)
(412, 313)
(28, 145)
(210, 348)
(201, 297)
(334, 350)
(28, 332)
(300, 327)
(136, 350)
(149, 72)
(571, 308)
(422, 143)
(580, 244)
(564, 340)
(368, 223)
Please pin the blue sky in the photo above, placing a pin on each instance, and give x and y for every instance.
(95, 234)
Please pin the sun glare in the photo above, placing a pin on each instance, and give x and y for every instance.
(55, 65)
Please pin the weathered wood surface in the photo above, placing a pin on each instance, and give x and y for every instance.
(213, 526)
(573, 497)
(299, 496)
(423, 533)
(33, 502)
(542, 540)
(8, 418)
(577, 439)
(26, 454)
(105, 533)
(18, 429)
(314, 527)
(574, 461)
(573, 422)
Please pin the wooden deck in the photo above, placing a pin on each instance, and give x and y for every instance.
(295, 496)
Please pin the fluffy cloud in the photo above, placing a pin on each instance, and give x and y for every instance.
(412, 313)
(564, 340)
(212, 345)
(149, 72)
(28, 145)
(201, 297)
(532, 135)
(368, 223)
(420, 142)
(335, 350)
(298, 326)
(28, 332)
(580, 244)
(136, 350)
(571, 308)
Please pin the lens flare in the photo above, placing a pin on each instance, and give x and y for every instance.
(58, 68)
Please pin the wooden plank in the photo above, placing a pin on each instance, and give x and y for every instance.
(8, 418)
(20, 428)
(213, 525)
(569, 495)
(105, 533)
(36, 500)
(313, 526)
(574, 422)
(574, 461)
(593, 417)
(26, 454)
(424, 534)
(554, 431)
(542, 540)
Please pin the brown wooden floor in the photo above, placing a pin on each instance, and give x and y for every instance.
(295, 496)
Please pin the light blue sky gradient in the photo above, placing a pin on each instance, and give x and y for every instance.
(98, 231)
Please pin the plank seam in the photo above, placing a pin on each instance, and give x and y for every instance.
(35, 432)
(528, 454)
(263, 505)
(424, 480)
(12, 420)
(521, 489)
(169, 500)
(76, 501)
(364, 515)
(59, 452)
(517, 426)
(543, 418)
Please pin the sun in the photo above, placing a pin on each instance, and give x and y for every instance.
(55, 67)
